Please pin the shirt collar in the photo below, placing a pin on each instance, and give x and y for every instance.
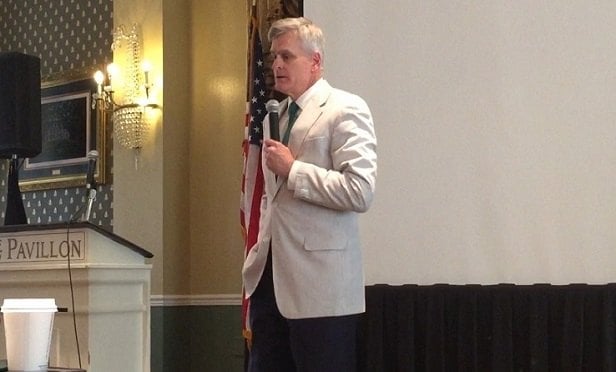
(303, 100)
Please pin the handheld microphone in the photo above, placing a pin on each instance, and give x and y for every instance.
(272, 108)
(90, 183)
(92, 158)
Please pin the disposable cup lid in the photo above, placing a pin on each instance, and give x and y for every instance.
(32, 305)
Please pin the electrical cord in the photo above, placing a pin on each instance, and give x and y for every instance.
(70, 280)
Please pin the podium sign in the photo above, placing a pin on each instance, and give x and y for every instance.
(110, 284)
(43, 247)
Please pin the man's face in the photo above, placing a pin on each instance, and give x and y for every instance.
(295, 70)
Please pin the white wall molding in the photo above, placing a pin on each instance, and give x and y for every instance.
(196, 300)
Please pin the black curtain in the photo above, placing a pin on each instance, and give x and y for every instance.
(489, 328)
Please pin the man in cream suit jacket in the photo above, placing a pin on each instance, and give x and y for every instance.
(304, 276)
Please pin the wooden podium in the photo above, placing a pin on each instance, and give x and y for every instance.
(111, 291)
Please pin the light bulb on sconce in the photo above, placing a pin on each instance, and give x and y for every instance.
(103, 98)
(112, 72)
(132, 83)
(146, 66)
(99, 77)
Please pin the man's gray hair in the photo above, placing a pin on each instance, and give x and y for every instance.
(309, 34)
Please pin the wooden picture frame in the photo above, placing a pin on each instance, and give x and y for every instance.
(70, 128)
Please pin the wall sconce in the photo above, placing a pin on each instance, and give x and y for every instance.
(130, 124)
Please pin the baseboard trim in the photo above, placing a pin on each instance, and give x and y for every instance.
(196, 300)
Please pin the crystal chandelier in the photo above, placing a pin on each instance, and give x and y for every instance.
(129, 106)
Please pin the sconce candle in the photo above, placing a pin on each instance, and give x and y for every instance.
(147, 67)
(99, 77)
(112, 71)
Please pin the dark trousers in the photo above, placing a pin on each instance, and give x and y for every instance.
(303, 345)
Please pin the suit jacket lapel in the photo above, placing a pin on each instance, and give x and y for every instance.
(307, 118)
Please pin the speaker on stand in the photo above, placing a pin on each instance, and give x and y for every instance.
(20, 122)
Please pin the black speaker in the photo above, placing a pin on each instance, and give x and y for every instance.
(20, 105)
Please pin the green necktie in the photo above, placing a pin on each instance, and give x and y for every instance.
(293, 113)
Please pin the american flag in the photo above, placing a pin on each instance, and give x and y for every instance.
(252, 180)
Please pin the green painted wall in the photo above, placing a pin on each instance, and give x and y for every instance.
(197, 339)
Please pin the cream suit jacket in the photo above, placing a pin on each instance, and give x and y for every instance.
(311, 218)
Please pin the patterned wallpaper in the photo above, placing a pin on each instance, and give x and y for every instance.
(68, 36)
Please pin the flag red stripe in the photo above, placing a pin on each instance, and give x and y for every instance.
(252, 180)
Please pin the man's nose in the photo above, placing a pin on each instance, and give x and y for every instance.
(276, 63)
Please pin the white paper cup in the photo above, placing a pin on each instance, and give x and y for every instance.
(28, 324)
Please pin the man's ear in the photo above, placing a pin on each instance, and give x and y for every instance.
(316, 61)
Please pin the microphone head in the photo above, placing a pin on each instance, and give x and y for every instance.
(272, 105)
(92, 159)
(92, 155)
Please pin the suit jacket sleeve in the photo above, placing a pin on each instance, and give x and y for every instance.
(336, 164)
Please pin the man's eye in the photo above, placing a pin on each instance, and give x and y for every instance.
(269, 57)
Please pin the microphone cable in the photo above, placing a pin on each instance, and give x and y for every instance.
(73, 219)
